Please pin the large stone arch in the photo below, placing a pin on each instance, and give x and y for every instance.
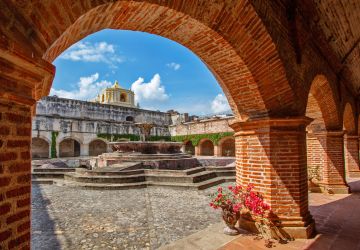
(40, 147)
(228, 50)
(206, 147)
(69, 147)
(97, 147)
(189, 148)
(227, 146)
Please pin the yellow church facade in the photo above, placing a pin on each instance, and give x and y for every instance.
(115, 95)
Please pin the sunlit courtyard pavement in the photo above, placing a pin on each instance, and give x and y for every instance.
(68, 218)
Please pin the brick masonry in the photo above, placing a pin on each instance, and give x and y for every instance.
(15, 180)
(267, 57)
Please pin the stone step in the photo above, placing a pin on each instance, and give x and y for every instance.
(110, 173)
(166, 172)
(225, 173)
(104, 179)
(101, 186)
(214, 182)
(48, 175)
(42, 181)
(219, 168)
(48, 170)
(119, 186)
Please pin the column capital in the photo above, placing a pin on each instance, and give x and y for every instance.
(330, 133)
(24, 77)
(353, 137)
(270, 125)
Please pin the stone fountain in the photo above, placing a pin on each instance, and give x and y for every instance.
(145, 154)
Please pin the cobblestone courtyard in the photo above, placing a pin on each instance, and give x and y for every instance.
(69, 218)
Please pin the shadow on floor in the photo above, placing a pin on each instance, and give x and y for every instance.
(337, 220)
(43, 232)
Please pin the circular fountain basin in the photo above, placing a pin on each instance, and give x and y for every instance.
(147, 147)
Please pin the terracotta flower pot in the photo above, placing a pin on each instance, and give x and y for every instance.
(230, 218)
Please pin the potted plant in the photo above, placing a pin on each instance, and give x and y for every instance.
(230, 203)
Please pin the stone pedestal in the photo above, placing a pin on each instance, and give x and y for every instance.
(271, 154)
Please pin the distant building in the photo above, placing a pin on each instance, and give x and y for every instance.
(115, 95)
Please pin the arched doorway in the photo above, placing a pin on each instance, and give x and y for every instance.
(69, 148)
(206, 148)
(39, 148)
(97, 147)
(227, 147)
(351, 142)
(324, 139)
(220, 44)
(189, 148)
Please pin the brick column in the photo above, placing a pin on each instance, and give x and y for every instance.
(23, 80)
(315, 162)
(333, 172)
(351, 146)
(271, 154)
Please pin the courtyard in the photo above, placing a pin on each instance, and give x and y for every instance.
(149, 218)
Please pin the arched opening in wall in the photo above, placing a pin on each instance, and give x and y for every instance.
(229, 57)
(97, 147)
(39, 148)
(321, 134)
(122, 97)
(189, 148)
(227, 147)
(69, 148)
(129, 119)
(206, 148)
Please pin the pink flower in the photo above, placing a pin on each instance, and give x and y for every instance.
(220, 189)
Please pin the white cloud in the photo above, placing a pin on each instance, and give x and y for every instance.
(220, 104)
(151, 91)
(97, 52)
(174, 66)
(87, 88)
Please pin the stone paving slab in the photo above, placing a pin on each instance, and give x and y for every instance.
(69, 218)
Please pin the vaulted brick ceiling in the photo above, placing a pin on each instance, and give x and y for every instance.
(336, 24)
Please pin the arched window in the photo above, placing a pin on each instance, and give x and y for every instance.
(123, 97)
(129, 119)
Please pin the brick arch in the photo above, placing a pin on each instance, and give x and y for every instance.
(227, 146)
(69, 147)
(206, 147)
(241, 56)
(322, 105)
(349, 120)
(40, 147)
(97, 147)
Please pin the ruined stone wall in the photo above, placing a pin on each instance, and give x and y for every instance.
(83, 121)
(205, 126)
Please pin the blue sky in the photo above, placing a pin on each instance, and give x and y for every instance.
(163, 74)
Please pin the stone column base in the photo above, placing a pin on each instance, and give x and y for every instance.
(335, 189)
(354, 174)
(296, 232)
